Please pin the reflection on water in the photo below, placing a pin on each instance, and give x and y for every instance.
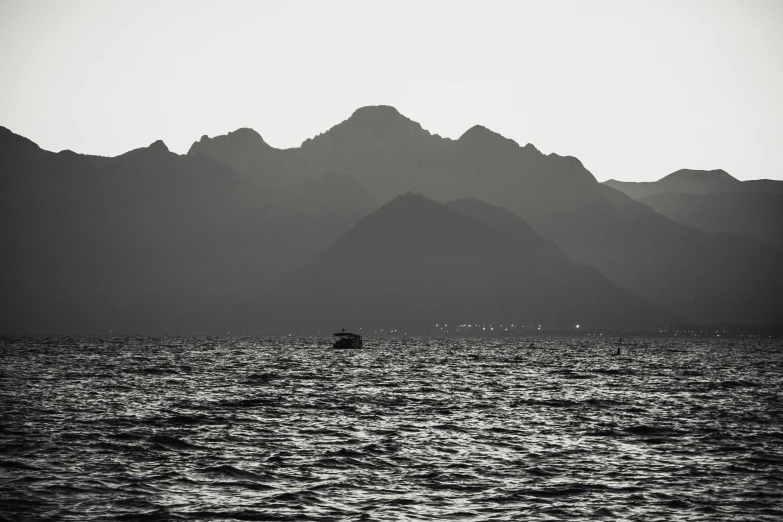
(283, 428)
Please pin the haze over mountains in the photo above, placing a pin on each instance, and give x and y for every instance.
(715, 201)
(468, 262)
(239, 235)
(149, 241)
(689, 181)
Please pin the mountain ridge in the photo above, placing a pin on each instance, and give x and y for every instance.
(714, 201)
(304, 199)
(415, 262)
(694, 181)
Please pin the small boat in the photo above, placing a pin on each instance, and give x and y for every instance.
(347, 340)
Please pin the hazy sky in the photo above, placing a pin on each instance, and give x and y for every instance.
(635, 90)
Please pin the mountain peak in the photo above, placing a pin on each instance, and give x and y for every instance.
(407, 210)
(482, 135)
(683, 181)
(246, 135)
(158, 146)
(155, 150)
(688, 181)
(16, 148)
(242, 140)
(718, 175)
(411, 199)
(7, 136)
(373, 126)
(477, 130)
(416, 261)
(377, 111)
(382, 118)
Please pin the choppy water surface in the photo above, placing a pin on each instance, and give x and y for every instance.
(282, 429)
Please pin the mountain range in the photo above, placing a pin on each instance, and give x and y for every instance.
(715, 201)
(699, 277)
(689, 181)
(415, 263)
(375, 221)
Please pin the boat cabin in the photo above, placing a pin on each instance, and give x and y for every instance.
(347, 340)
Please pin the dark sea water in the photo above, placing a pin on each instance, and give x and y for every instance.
(125, 428)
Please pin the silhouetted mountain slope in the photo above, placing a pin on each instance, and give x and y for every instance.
(16, 150)
(152, 240)
(687, 181)
(765, 186)
(135, 245)
(245, 151)
(697, 276)
(714, 201)
(329, 200)
(758, 216)
(389, 154)
(414, 263)
(514, 230)
(148, 241)
(377, 146)
(373, 128)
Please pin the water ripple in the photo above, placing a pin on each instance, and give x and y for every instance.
(136, 428)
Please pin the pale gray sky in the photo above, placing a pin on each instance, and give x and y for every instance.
(634, 89)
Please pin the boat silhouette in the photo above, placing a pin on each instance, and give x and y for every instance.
(347, 340)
